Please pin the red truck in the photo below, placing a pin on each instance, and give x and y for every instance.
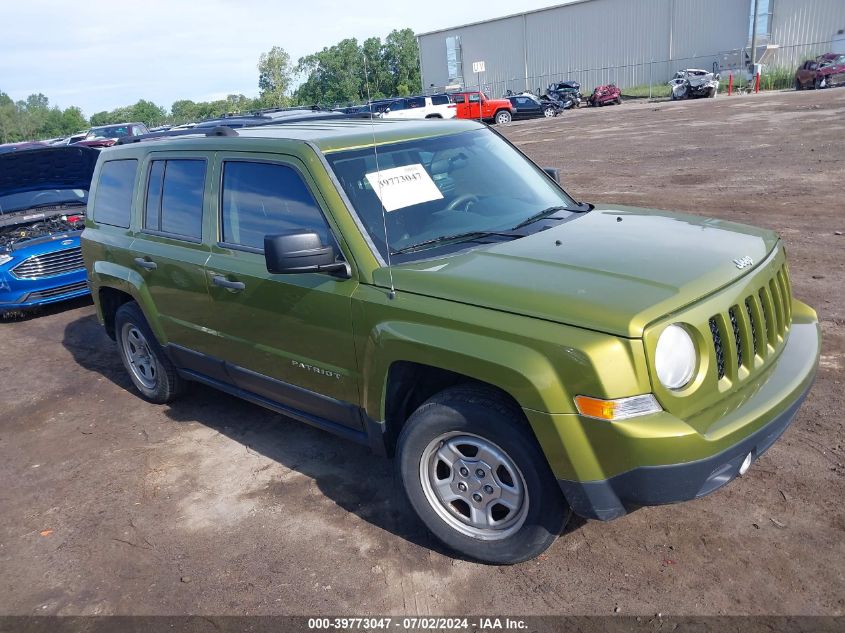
(497, 110)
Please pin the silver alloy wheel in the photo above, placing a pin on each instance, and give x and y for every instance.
(474, 486)
(503, 117)
(138, 355)
(549, 112)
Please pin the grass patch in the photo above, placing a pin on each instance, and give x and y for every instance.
(657, 91)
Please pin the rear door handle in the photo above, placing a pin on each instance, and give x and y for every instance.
(146, 263)
(219, 280)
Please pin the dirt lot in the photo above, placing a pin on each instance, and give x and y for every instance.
(112, 505)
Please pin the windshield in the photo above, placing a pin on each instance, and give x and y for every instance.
(445, 186)
(112, 131)
(48, 197)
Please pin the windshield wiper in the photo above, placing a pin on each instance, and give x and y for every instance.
(540, 215)
(460, 237)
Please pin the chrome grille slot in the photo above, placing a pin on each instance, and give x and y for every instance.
(717, 345)
(49, 264)
(737, 338)
(753, 320)
(777, 299)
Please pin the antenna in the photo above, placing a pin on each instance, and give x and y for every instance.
(392, 294)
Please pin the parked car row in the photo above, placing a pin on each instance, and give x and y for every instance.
(825, 71)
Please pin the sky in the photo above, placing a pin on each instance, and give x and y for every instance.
(102, 54)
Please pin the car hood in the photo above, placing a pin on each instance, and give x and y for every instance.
(69, 167)
(613, 270)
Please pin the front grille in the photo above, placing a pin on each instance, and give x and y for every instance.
(57, 291)
(755, 326)
(50, 264)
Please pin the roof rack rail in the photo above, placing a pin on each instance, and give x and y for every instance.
(220, 130)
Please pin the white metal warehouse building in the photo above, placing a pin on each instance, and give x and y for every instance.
(627, 42)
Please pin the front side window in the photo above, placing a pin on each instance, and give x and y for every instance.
(474, 98)
(174, 197)
(113, 202)
(444, 186)
(265, 199)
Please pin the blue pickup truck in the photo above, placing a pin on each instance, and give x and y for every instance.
(43, 198)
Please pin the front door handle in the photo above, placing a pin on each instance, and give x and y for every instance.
(219, 280)
(146, 263)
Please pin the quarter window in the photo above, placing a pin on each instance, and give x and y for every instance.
(264, 199)
(113, 202)
(174, 197)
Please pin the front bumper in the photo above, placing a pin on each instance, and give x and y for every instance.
(658, 485)
(660, 458)
(21, 294)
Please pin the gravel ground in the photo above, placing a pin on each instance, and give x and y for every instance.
(111, 505)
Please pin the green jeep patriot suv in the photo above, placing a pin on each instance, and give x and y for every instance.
(425, 289)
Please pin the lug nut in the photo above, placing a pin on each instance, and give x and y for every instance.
(479, 472)
(488, 489)
(462, 486)
(464, 472)
(476, 497)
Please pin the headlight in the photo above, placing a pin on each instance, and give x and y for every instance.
(5, 259)
(675, 358)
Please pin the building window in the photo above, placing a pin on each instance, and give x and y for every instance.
(764, 21)
(454, 60)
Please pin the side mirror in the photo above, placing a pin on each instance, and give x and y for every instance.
(553, 173)
(299, 251)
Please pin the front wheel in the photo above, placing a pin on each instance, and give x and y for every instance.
(477, 478)
(549, 112)
(798, 85)
(502, 117)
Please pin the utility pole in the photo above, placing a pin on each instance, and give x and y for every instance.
(754, 34)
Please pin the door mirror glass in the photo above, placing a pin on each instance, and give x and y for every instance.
(299, 251)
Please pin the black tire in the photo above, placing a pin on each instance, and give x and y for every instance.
(434, 116)
(798, 85)
(163, 384)
(817, 83)
(478, 414)
(619, 100)
(503, 117)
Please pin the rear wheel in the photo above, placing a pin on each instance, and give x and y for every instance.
(618, 100)
(477, 478)
(151, 371)
(502, 117)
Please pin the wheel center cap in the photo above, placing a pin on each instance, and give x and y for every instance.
(473, 480)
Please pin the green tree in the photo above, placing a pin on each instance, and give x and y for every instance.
(274, 76)
(402, 61)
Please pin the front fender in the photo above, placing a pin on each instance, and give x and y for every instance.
(542, 365)
(520, 371)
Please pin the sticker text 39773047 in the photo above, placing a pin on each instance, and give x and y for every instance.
(402, 187)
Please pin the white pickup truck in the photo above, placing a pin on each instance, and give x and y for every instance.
(433, 107)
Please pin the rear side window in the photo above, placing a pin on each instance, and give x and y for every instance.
(439, 100)
(415, 102)
(263, 199)
(113, 203)
(174, 197)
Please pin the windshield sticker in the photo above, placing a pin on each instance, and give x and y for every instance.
(402, 187)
